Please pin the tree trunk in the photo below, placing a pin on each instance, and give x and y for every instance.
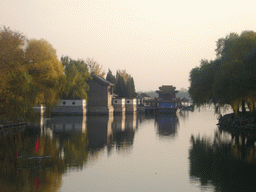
(243, 106)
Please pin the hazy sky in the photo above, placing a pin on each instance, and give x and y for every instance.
(158, 42)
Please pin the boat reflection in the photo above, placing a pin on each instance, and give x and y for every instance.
(167, 124)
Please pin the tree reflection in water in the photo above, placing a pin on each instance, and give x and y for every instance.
(227, 162)
(21, 174)
(68, 150)
(71, 141)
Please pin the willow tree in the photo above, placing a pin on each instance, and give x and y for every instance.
(77, 77)
(30, 74)
(232, 82)
(201, 82)
(46, 71)
(250, 69)
(229, 78)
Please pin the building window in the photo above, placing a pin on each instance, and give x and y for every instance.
(115, 101)
(73, 102)
(64, 103)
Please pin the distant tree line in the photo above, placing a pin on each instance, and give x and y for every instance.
(229, 79)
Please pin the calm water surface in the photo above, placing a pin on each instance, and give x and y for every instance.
(184, 152)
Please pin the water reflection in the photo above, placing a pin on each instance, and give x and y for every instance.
(227, 162)
(99, 131)
(69, 141)
(167, 124)
(124, 131)
(184, 115)
(111, 131)
(24, 174)
(68, 124)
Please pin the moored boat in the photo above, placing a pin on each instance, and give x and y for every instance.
(167, 101)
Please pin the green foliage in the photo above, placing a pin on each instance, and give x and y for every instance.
(77, 77)
(229, 79)
(130, 88)
(120, 87)
(201, 82)
(67, 151)
(124, 86)
(30, 74)
(110, 77)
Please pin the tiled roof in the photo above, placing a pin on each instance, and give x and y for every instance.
(101, 80)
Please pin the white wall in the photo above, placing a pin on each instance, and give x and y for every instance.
(131, 101)
(73, 102)
(119, 101)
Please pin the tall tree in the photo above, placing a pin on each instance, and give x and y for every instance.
(201, 82)
(110, 77)
(124, 74)
(250, 68)
(120, 87)
(77, 77)
(31, 74)
(229, 78)
(95, 68)
(46, 70)
(130, 88)
(124, 86)
(232, 51)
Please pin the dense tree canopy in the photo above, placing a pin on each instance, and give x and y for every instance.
(130, 88)
(120, 88)
(77, 77)
(230, 78)
(30, 74)
(124, 83)
(110, 77)
(124, 86)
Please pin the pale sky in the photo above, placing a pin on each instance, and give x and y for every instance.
(158, 42)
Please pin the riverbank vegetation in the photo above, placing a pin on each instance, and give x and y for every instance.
(76, 78)
(31, 74)
(229, 79)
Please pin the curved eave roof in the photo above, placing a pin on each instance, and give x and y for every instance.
(101, 80)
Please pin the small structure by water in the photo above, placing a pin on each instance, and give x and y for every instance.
(70, 107)
(100, 96)
(119, 105)
(131, 105)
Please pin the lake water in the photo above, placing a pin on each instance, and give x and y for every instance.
(184, 152)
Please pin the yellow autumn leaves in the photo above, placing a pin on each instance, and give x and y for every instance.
(30, 72)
